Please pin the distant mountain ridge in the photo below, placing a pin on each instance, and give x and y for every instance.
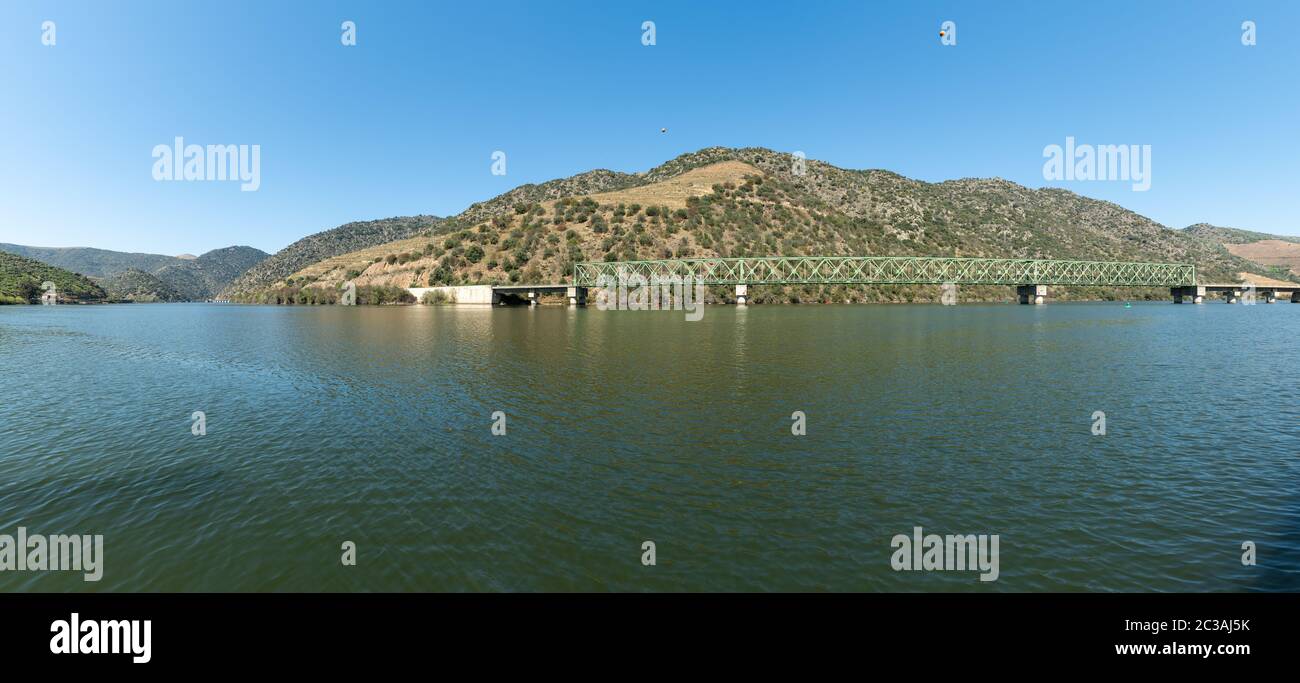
(172, 278)
(1233, 235)
(134, 284)
(322, 245)
(89, 261)
(208, 275)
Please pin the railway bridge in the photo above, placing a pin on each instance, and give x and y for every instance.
(1030, 277)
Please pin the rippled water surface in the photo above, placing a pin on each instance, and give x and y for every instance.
(373, 425)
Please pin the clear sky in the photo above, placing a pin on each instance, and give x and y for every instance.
(406, 121)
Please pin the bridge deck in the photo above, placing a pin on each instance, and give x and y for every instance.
(513, 289)
(1258, 287)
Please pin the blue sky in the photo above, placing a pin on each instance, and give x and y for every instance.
(405, 122)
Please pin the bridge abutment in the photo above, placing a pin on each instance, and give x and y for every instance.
(1032, 294)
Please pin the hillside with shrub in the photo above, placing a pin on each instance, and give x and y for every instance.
(22, 281)
(756, 202)
(94, 263)
(323, 245)
(208, 275)
(170, 278)
(136, 285)
(1279, 253)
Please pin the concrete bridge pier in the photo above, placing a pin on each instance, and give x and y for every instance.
(1269, 296)
(1195, 292)
(532, 298)
(742, 294)
(1295, 297)
(1232, 295)
(577, 296)
(1032, 294)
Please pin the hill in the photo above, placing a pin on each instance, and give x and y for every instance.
(175, 278)
(21, 281)
(1224, 235)
(91, 262)
(205, 277)
(323, 245)
(752, 202)
(1281, 253)
(134, 284)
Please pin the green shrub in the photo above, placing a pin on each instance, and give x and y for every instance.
(437, 297)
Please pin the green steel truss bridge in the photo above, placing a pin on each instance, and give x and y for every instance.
(889, 270)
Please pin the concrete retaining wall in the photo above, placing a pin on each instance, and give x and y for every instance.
(481, 295)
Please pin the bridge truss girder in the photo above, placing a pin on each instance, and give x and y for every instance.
(889, 270)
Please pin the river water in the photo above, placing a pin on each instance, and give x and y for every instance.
(375, 426)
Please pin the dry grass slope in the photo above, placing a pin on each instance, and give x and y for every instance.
(1270, 253)
(674, 192)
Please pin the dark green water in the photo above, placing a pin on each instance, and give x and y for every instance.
(373, 425)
